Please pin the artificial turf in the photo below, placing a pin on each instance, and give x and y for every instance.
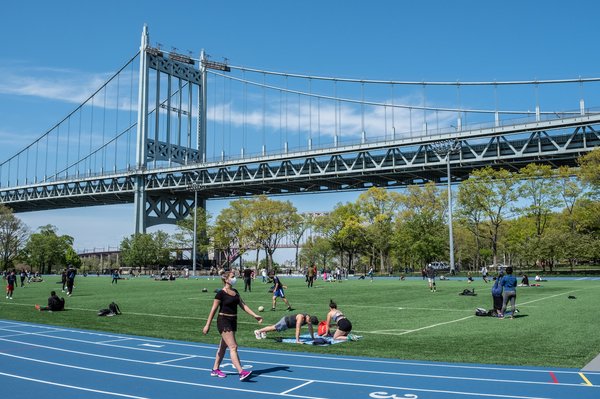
(397, 319)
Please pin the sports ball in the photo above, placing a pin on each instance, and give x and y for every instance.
(261, 308)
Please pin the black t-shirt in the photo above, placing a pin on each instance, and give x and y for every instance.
(290, 321)
(229, 303)
(247, 273)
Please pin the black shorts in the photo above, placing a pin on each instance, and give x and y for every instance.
(344, 325)
(226, 323)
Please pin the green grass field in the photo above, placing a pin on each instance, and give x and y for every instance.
(397, 319)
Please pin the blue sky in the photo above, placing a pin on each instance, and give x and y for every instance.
(55, 53)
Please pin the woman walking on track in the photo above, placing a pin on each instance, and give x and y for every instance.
(227, 300)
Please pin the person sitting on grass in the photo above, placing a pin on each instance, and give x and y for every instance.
(344, 326)
(290, 321)
(55, 303)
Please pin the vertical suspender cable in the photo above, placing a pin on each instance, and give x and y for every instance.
(79, 142)
(310, 111)
(264, 105)
(130, 118)
(393, 114)
(56, 153)
(103, 132)
(68, 145)
(117, 123)
(91, 134)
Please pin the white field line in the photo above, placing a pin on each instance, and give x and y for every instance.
(291, 354)
(464, 318)
(72, 386)
(287, 364)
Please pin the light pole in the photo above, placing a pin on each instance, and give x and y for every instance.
(446, 148)
(195, 187)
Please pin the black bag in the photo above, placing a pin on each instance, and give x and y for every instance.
(104, 312)
(483, 312)
(320, 341)
(468, 292)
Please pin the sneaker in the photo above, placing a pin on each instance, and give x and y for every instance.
(272, 309)
(37, 307)
(289, 309)
(244, 374)
(217, 373)
(353, 337)
(257, 334)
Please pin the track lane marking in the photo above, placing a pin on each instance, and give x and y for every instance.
(416, 375)
(490, 367)
(72, 386)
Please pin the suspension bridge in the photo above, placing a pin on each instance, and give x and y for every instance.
(168, 132)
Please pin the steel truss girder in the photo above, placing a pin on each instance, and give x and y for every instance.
(390, 164)
(173, 68)
(161, 151)
(168, 208)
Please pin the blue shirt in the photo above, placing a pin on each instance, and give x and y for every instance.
(509, 282)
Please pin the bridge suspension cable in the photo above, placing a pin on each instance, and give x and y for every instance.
(398, 106)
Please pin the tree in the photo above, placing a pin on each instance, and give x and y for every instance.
(143, 250)
(271, 220)
(421, 226)
(344, 231)
(300, 223)
(13, 236)
(229, 234)
(184, 237)
(46, 250)
(492, 191)
(377, 207)
(589, 168)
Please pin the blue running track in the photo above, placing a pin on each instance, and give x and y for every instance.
(42, 361)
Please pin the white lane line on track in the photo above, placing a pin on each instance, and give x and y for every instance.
(72, 386)
(358, 371)
(176, 360)
(143, 377)
(114, 340)
(275, 393)
(301, 356)
(297, 387)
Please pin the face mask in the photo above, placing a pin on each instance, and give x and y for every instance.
(232, 281)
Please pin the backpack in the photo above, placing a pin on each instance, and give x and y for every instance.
(468, 292)
(113, 310)
(320, 341)
(482, 312)
(104, 312)
(323, 328)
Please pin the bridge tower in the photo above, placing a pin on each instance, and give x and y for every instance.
(166, 147)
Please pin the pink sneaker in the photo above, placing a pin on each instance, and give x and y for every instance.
(244, 374)
(217, 373)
